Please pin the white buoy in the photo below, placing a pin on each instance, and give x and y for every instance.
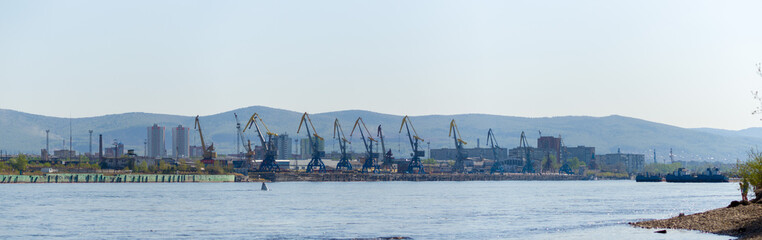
(264, 187)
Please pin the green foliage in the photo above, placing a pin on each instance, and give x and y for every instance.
(662, 168)
(5, 167)
(19, 163)
(751, 170)
(550, 164)
(142, 168)
(182, 166)
(575, 163)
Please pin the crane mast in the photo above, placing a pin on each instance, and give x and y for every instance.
(492, 142)
(268, 162)
(209, 154)
(415, 165)
(460, 156)
(371, 161)
(387, 163)
(344, 161)
(528, 165)
(249, 155)
(314, 139)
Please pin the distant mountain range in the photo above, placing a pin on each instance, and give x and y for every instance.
(23, 132)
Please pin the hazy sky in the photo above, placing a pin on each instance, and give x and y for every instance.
(686, 63)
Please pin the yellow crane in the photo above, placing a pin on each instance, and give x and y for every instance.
(338, 133)
(371, 161)
(460, 156)
(314, 140)
(271, 151)
(209, 154)
(415, 165)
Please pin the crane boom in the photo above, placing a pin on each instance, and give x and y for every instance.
(387, 163)
(415, 165)
(209, 153)
(314, 138)
(371, 161)
(492, 142)
(460, 156)
(338, 133)
(528, 165)
(246, 144)
(268, 162)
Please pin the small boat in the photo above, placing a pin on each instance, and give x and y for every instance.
(264, 187)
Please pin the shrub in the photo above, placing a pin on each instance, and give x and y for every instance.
(751, 170)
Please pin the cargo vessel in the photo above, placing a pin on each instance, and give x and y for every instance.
(709, 175)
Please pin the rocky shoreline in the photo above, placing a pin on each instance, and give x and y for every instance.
(743, 221)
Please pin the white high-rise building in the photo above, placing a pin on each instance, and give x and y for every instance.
(180, 141)
(156, 147)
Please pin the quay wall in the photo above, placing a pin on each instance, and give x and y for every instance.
(118, 178)
(371, 177)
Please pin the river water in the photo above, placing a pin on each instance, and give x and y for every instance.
(345, 210)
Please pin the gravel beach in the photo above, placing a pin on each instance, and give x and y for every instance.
(744, 221)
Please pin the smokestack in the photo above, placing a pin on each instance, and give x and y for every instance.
(100, 146)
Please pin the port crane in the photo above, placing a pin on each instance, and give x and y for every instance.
(528, 167)
(209, 154)
(460, 156)
(344, 161)
(314, 139)
(415, 165)
(497, 167)
(268, 162)
(387, 162)
(371, 161)
(249, 155)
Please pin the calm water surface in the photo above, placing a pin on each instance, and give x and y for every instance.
(305, 210)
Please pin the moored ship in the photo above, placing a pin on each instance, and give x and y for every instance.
(709, 175)
(648, 177)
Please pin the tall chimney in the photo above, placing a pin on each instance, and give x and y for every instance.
(100, 146)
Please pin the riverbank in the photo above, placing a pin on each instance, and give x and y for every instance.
(744, 221)
(117, 178)
(375, 177)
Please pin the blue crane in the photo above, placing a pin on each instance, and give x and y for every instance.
(497, 167)
(387, 162)
(415, 165)
(528, 165)
(344, 161)
(271, 151)
(314, 141)
(460, 156)
(371, 161)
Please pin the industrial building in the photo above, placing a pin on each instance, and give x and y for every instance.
(180, 146)
(283, 144)
(584, 154)
(155, 137)
(450, 153)
(306, 149)
(116, 151)
(196, 151)
(550, 145)
(64, 153)
(632, 163)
